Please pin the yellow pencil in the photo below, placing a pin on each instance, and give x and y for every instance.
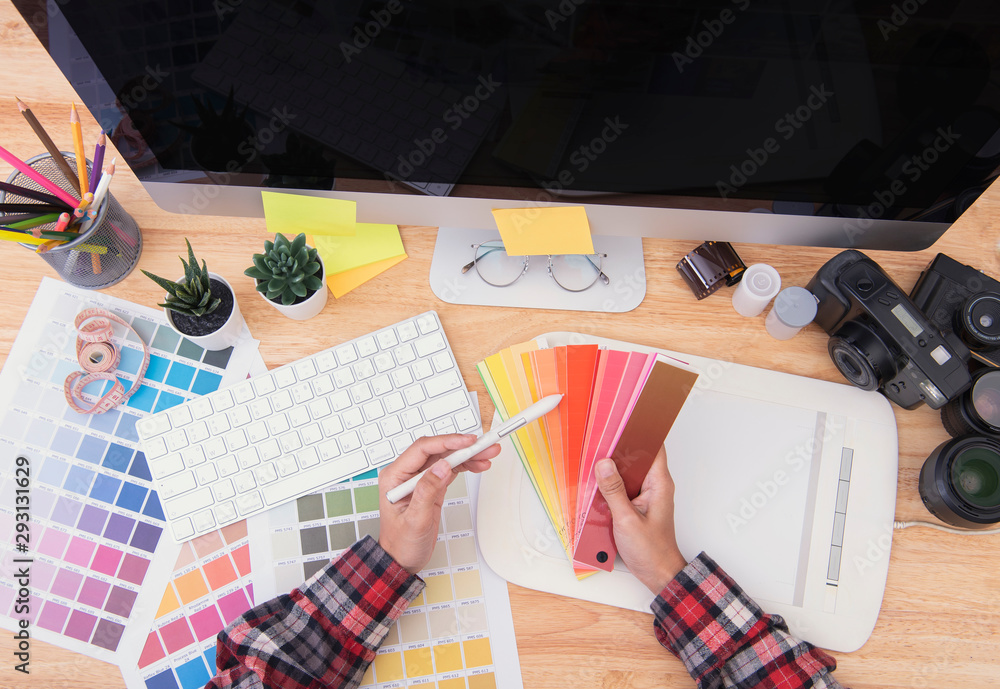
(81, 157)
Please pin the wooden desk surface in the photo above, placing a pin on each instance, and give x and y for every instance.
(940, 619)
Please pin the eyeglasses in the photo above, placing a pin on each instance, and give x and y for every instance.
(572, 272)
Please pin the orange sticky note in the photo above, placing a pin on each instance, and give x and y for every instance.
(549, 230)
(342, 283)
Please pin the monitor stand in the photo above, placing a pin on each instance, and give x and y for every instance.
(535, 289)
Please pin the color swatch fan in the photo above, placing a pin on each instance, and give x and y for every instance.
(617, 404)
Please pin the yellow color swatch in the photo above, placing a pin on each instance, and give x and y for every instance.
(418, 662)
(456, 683)
(438, 589)
(191, 586)
(484, 681)
(477, 652)
(169, 603)
(467, 585)
(548, 230)
(388, 667)
(447, 658)
(291, 214)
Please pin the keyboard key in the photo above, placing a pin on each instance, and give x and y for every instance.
(387, 339)
(443, 383)
(381, 385)
(407, 331)
(345, 354)
(311, 434)
(305, 369)
(414, 395)
(286, 466)
(465, 420)
(427, 323)
(223, 490)
(366, 346)
(290, 442)
(226, 512)
(422, 369)
(302, 393)
(343, 377)
(264, 385)
(283, 377)
(323, 385)
(281, 401)
(240, 416)
(381, 453)
(278, 424)
(216, 447)
(198, 431)
(244, 481)
(179, 416)
(340, 400)
(248, 457)
(249, 504)
(401, 377)
(153, 425)
(177, 484)
(352, 418)
(155, 447)
(201, 408)
(228, 465)
(222, 400)
(404, 355)
(284, 490)
(203, 521)
(176, 440)
(194, 456)
(242, 392)
(206, 474)
(260, 408)
(446, 404)
(236, 440)
(182, 529)
(319, 408)
(373, 410)
(219, 424)
(326, 361)
(426, 346)
(170, 464)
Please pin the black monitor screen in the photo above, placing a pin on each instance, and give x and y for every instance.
(830, 108)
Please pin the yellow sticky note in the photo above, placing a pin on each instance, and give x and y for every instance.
(369, 244)
(555, 230)
(291, 214)
(342, 283)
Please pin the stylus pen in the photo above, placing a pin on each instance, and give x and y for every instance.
(532, 413)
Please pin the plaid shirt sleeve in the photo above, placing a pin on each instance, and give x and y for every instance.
(725, 639)
(322, 634)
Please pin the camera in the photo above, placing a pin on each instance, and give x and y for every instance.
(880, 340)
(960, 482)
(961, 299)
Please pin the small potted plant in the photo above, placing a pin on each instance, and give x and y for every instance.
(202, 305)
(290, 276)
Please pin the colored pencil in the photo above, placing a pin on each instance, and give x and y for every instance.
(20, 237)
(14, 217)
(34, 222)
(50, 146)
(38, 177)
(33, 208)
(81, 159)
(104, 183)
(18, 190)
(44, 234)
(87, 199)
(95, 172)
(62, 223)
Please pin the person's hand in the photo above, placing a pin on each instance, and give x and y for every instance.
(408, 529)
(644, 527)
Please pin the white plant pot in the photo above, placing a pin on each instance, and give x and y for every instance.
(225, 336)
(308, 308)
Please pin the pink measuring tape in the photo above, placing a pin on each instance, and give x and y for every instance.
(99, 358)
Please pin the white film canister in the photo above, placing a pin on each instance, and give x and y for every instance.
(794, 308)
(758, 286)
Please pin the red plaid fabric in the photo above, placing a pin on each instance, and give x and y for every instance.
(324, 633)
(725, 640)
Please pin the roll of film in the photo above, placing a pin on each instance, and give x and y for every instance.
(759, 285)
(794, 308)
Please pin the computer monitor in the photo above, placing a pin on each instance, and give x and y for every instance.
(833, 123)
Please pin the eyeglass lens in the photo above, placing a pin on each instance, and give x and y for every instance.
(496, 267)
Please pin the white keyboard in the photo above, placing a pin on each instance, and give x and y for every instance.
(244, 449)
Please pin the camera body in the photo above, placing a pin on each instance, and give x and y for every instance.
(958, 298)
(880, 340)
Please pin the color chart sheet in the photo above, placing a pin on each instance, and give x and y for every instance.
(96, 558)
(458, 634)
(209, 588)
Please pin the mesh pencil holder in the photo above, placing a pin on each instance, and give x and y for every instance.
(105, 252)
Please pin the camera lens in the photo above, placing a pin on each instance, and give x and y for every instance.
(960, 482)
(980, 320)
(861, 356)
(978, 409)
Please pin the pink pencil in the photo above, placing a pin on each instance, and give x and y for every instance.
(37, 176)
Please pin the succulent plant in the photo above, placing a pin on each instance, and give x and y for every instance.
(192, 295)
(286, 270)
